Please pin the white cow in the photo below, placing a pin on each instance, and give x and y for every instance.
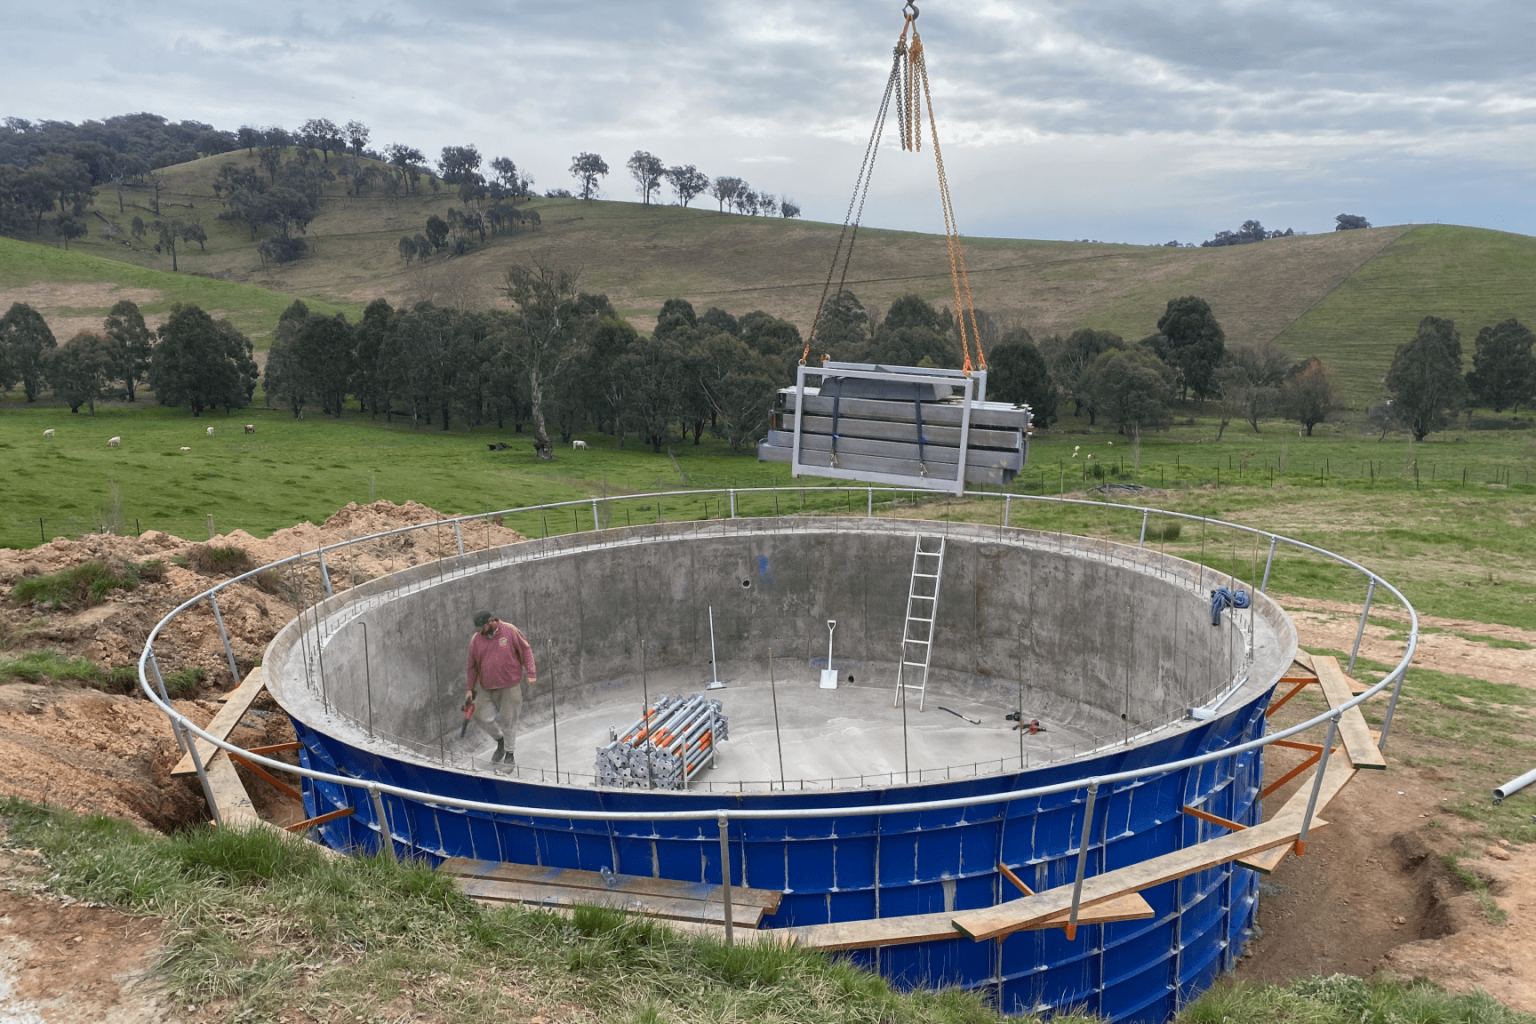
(185, 448)
(578, 444)
(113, 442)
(250, 428)
(48, 432)
(210, 431)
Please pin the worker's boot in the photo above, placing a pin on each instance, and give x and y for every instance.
(501, 751)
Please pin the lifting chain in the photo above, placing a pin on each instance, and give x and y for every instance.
(908, 86)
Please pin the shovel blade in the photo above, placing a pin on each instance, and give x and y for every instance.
(829, 679)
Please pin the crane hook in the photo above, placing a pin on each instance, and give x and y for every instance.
(910, 6)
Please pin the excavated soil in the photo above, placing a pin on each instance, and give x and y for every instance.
(72, 745)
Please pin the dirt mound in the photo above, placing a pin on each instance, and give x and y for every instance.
(75, 746)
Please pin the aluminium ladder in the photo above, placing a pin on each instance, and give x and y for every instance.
(917, 601)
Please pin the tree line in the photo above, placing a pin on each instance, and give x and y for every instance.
(193, 360)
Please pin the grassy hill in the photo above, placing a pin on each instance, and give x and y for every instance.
(1348, 297)
(75, 289)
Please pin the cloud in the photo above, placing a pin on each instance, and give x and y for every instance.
(1059, 118)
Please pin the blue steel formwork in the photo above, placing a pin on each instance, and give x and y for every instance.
(855, 868)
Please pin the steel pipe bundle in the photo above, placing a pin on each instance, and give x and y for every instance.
(666, 746)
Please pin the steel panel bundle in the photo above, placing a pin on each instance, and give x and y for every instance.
(897, 425)
(666, 746)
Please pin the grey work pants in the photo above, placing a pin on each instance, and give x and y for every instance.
(496, 712)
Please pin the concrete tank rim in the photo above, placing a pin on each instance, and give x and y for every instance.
(1124, 555)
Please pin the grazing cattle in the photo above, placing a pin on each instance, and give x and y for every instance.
(499, 446)
(185, 448)
(113, 442)
(210, 431)
(48, 432)
(250, 428)
(578, 444)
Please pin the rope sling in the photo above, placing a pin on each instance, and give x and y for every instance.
(908, 86)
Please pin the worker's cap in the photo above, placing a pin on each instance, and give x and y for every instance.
(481, 618)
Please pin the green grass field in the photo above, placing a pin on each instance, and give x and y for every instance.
(1458, 549)
(1350, 298)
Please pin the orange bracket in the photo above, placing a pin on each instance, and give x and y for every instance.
(301, 826)
(274, 748)
(1288, 776)
(1018, 883)
(263, 773)
(1316, 748)
(1213, 819)
(1301, 684)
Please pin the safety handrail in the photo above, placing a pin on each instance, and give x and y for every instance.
(373, 788)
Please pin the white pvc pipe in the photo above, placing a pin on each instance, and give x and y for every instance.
(1514, 786)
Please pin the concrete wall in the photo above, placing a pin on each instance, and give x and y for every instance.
(1105, 637)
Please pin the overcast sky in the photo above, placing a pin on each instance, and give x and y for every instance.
(1135, 121)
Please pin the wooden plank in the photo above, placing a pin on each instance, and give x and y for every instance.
(1304, 659)
(895, 467)
(899, 931)
(640, 885)
(994, 922)
(897, 449)
(1340, 772)
(651, 906)
(234, 709)
(747, 937)
(235, 807)
(884, 430)
(986, 414)
(1353, 729)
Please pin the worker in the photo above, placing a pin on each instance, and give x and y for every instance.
(500, 660)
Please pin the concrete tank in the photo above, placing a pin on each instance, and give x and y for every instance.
(1109, 646)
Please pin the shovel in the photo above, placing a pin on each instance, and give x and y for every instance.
(829, 674)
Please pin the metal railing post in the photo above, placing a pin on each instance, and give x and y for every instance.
(1317, 784)
(871, 513)
(458, 535)
(733, 503)
(386, 841)
(1273, 540)
(596, 526)
(1386, 722)
(1007, 510)
(725, 877)
(1082, 858)
(229, 653)
(154, 664)
(1143, 539)
(1370, 592)
(325, 576)
(202, 777)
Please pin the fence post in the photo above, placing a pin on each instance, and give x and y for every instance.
(202, 776)
(1082, 858)
(1370, 592)
(154, 664)
(725, 876)
(1317, 784)
(224, 635)
(386, 841)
